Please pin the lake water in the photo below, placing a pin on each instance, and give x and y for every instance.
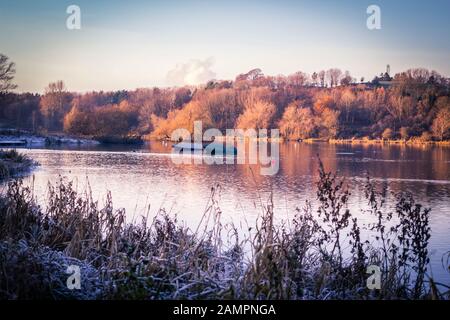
(147, 176)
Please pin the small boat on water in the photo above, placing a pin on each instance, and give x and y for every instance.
(199, 148)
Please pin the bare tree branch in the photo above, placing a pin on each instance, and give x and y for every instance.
(7, 71)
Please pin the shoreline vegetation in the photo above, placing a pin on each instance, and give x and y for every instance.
(30, 139)
(16, 137)
(13, 163)
(331, 141)
(26, 138)
(389, 142)
(160, 258)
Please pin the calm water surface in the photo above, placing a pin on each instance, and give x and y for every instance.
(138, 178)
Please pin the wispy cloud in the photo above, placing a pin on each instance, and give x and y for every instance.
(192, 72)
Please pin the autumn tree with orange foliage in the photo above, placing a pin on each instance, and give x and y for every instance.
(102, 122)
(441, 124)
(55, 103)
(297, 122)
(257, 115)
(181, 119)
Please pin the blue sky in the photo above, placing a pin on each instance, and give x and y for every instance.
(130, 44)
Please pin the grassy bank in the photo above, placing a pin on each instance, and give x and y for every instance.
(134, 140)
(161, 259)
(13, 163)
(389, 142)
(416, 141)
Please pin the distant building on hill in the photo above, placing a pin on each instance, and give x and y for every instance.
(384, 80)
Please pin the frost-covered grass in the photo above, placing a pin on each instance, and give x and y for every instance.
(161, 259)
(13, 163)
(44, 138)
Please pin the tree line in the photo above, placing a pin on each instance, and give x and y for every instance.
(326, 104)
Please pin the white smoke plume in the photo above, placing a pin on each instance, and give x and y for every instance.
(193, 72)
